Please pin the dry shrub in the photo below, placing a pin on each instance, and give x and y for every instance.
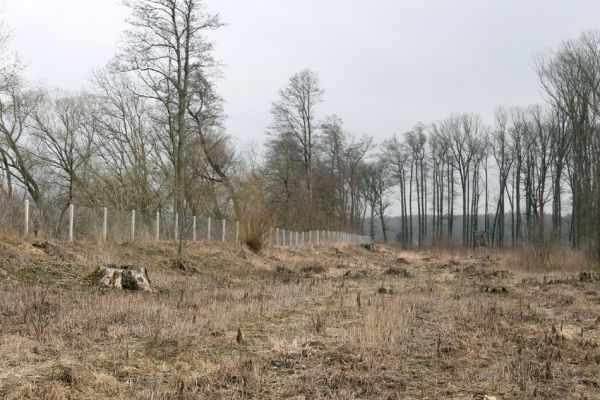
(38, 311)
(255, 237)
(257, 219)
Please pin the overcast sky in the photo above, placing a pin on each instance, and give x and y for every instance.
(384, 64)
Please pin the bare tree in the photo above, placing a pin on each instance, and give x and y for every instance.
(127, 146)
(463, 131)
(340, 155)
(539, 155)
(17, 104)
(10, 70)
(376, 183)
(500, 149)
(397, 156)
(570, 78)
(62, 144)
(206, 113)
(561, 147)
(294, 116)
(282, 180)
(166, 49)
(416, 140)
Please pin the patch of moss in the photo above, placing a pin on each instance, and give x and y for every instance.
(31, 275)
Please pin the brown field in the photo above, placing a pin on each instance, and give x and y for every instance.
(332, 322)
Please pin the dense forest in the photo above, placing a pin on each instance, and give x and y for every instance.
(149, 135)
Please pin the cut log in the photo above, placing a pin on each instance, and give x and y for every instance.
(123, 277)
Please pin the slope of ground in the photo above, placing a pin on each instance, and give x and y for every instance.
(336, 322)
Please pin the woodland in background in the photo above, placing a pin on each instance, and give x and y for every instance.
(149, 135)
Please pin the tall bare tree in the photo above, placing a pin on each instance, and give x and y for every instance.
(500, 150)
(17, 104)
(167, 49)
(416, 140)
(376, 184)
(127, 146)
(570, 78)
(464, 131)
(58, 126)
(397, 156)
(294, 117)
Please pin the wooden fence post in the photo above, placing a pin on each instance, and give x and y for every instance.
(223, 225)
(237, 231)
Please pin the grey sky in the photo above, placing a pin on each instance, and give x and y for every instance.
(385, 65)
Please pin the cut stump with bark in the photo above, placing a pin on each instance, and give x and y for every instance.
(123, 277)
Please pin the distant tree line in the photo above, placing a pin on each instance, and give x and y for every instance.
(531, 162)
(149, 135)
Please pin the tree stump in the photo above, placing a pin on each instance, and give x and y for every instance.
(589, 276)
(123, 277)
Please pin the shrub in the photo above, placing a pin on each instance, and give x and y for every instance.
(255, 239)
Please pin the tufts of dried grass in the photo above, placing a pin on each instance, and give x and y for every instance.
(315, 327)
(549, 259)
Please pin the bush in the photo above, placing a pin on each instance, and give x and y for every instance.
(258, 217)
(255, 239)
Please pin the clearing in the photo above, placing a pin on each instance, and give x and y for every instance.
(337, 322)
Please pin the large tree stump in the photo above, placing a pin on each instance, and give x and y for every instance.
(589, 276)
(123, 277)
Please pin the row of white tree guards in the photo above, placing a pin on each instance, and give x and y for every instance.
(103, 224)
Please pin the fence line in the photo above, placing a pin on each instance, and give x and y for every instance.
(120, 226)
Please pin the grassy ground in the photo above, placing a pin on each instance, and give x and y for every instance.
(335, 322)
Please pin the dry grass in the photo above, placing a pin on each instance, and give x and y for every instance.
(339, 323)
(547, 258)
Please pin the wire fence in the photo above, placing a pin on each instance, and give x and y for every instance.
(78, 223)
